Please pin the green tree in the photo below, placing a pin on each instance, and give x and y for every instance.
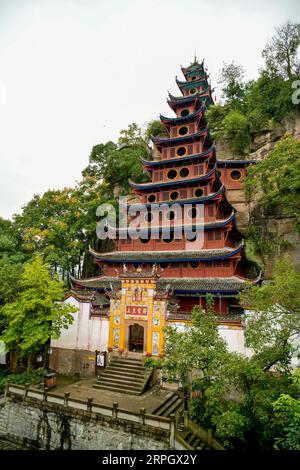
(281, 52)
(233, 86)
(11, 242)
(275, 325)
(236, 129)
(37, 313)
(199, 349)
(287, 415)
(275, 180)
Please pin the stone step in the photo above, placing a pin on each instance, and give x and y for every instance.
(126, 366)
(172, 408)
(164, 406)
(117, 389)
(120, 388)
(127, 359)
(192, 440)
(126, 378)
(121, 370)
(120, 381)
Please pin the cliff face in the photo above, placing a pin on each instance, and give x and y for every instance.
(277, 229)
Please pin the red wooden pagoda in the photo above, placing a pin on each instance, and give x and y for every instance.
(208, 259)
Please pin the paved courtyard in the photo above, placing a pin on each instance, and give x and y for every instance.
(83, 389)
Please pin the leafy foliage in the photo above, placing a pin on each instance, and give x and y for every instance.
(276, 322)
(37, 312)
(287, 415)
(275, 181)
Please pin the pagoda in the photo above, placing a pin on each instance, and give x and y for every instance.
(157, 278)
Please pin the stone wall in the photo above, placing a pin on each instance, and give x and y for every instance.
(47, 426)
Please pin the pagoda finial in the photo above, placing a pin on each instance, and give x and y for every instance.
(195, 57)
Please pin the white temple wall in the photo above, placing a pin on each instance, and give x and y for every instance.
(74, 351)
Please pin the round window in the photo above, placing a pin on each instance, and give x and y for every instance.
(174, 195)
(193, 91)
(194, 264)
(172, 174)
(198, 192)
(184, 172)
(193, 78)
(219, 174)
(235, 175)
(164, 265)
(181, 151)
(151, 198)
(192, 213)
(185, 112)
(183, 130)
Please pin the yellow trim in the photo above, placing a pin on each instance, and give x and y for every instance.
(176, 177)
(196, 190)
(170, 195)
(186, 153)
(182, 127)
(152, 194)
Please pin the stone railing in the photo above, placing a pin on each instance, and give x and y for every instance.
(201, 433)
(157, 424)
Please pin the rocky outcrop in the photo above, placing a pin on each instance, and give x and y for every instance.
(278, 229)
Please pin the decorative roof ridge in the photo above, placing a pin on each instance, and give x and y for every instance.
(186, 82)
(180, 98)
(215, 254)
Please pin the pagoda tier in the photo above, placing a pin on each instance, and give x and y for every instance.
(206, 252)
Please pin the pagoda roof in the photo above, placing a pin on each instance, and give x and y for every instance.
(179, 159)
(178, 228)
(193, 67)
(171, 183)
(183, 98)
(224, 163)
(179, 119)
(166, 256)
(191, 83)
(169, 140)
(200, 200)
(227, 285)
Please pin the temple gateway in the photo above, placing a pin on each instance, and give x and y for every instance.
(154, 281)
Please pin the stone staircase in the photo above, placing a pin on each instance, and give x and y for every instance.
(174, 405)
(171, 406)
(124, 376)
(192, 440)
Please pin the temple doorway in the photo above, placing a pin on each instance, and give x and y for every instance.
(136, 338)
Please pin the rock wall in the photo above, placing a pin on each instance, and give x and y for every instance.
(279, 229)
(48, 427)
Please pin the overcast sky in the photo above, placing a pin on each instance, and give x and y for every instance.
(73, 73)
